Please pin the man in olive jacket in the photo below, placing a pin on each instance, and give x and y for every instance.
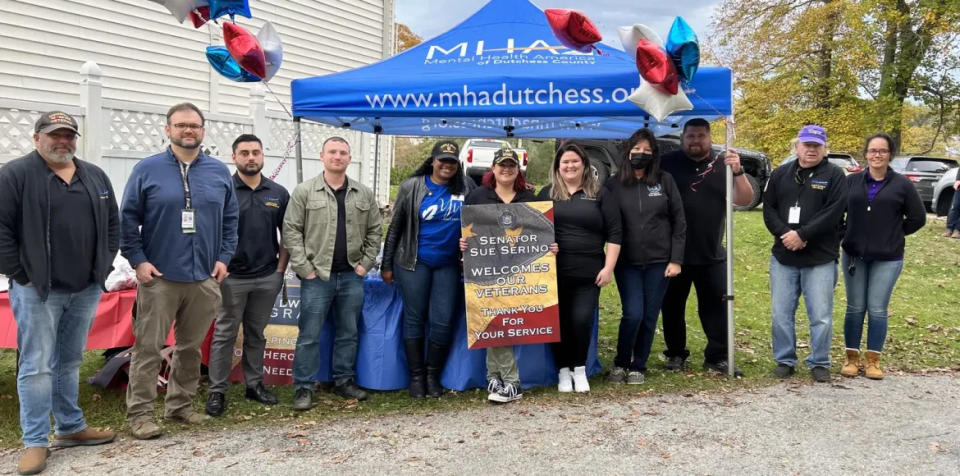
(332, 230)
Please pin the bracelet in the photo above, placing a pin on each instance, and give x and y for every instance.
(741, 172)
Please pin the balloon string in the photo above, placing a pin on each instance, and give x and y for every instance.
(277, 98)
(286, 155)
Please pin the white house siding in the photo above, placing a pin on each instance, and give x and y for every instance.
(149, 62)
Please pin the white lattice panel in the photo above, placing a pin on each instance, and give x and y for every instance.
(219, 137)
(135, 131)
(16, 131)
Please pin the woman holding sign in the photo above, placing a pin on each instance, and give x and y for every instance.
(654, 231)
(420, 252)
(585, 221)
(504, 184)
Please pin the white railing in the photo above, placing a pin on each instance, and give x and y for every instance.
(116, 134)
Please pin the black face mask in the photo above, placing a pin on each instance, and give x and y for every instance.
(639, 160)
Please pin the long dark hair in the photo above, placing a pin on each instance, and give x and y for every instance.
(651, 174)
(519, 184)
(456, 185)
(880, 135)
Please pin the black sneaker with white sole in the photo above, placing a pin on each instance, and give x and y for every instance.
(722, 367)
(508, 392)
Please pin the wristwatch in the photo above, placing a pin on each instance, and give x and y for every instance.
(737, 174)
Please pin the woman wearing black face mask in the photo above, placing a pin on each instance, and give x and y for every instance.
(654, 230)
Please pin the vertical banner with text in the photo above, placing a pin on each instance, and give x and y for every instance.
(510, 279)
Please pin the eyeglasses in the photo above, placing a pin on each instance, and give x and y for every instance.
(878, 151)
(183, 125)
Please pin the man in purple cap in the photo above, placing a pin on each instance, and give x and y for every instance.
(803, 209)
(59, 233)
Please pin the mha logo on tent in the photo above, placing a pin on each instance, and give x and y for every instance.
(479, 52)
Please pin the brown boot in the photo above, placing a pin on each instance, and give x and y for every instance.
(955, 235)
(87, 437)
(873, 365)
(852, 367)
(947, 234)
(33, 461)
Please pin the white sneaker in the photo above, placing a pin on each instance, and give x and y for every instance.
(566, 381)
(580, 382)
(508, 393)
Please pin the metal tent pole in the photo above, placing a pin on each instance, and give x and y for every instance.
(296, 129)
(729, 298)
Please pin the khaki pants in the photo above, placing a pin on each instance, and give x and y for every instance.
(190, 307)
(502, 363)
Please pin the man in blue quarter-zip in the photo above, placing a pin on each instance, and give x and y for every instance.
(179, 231)
(58, 238)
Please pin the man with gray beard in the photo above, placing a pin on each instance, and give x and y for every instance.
(59, 233)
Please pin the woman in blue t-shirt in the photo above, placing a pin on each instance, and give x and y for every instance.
(422, 253)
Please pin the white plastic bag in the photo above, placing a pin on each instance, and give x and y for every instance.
(122, 277)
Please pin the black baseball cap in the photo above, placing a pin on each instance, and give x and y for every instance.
(445, 150)
(504, 155)
(54, 120)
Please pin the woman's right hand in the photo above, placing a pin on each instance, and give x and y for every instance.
(463, 244)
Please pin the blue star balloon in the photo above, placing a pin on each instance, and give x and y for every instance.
(220, 59)
(219, 8)
(684, 49)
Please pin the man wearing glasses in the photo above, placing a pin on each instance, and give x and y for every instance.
(58, 237)
(179, 231)
(803, 208)
(700, 176)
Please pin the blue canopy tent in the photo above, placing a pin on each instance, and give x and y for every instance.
(502, 72)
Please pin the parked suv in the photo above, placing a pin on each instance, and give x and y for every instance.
(606, 155)
(924, 172)
(943, 193)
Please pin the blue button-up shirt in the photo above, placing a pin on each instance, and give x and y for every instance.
(150, 218)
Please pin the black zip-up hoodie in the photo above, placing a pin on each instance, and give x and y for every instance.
(822, 198)
(24, 215)
(653, 221)
(876, 230)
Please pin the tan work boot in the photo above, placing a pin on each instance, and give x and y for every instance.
(873, 366)
(852, 367)
(189, 417)
(955, 235)
(947, 234)
(33, 461)
(86, 437)
(145, 429)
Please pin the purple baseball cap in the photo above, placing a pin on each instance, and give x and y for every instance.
(813, 133)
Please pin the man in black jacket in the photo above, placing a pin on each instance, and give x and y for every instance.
(803, 209)
(59, 234)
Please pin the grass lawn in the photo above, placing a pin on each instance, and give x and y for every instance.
(924, 334)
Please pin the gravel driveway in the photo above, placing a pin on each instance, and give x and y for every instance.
(907, 424)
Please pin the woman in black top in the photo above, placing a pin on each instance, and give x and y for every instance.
(504, 184)
(654, 230)
(882, 208)
(584, 221)
(421, 251)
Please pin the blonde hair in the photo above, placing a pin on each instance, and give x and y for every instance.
(588, 182)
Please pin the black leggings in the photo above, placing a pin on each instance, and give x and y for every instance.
(578, 299)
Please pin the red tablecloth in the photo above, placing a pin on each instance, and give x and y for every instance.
(112, 327)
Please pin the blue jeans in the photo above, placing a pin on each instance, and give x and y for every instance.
(868, 291)
(641, 291)
(816, 284)
(343, 292)
(51, 336)
(953, 217)
(429, 296)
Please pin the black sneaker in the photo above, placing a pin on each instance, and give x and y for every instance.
(216, 404)
(350, 390)
(721, 367)
(820, 374)
(302, 400)
(783, 371)
(676, 363)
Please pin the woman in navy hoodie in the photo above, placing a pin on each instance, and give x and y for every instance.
(882, 208)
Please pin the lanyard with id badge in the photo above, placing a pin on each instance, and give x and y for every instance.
(187, 222)
(793, 216)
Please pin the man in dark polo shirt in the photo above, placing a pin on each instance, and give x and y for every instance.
(256, 276)
(700, 176)
(59, 233)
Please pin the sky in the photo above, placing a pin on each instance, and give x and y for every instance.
(429, 18)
